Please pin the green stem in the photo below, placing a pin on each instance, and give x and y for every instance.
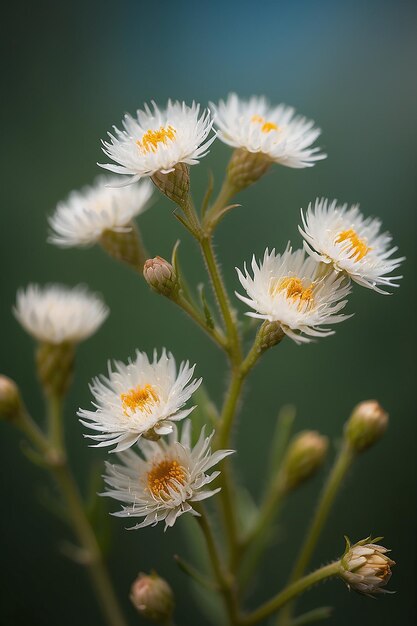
(222, 299)
(225, 195)
(327, 498)
(55, 428)
(58, 466)
(224, 580)
(290, 592)
(215, 334)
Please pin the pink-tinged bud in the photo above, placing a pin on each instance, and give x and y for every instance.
(365, 567)
(161, 276)
(10, 400)
(366, 425)
(306, 454)
(153, 598)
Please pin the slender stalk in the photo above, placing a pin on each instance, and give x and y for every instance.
(57, 464)
(225, 195)
(222, 299)
(215, 333)
(55, 429)
(327, 498)
(291, 591)
(224, 580)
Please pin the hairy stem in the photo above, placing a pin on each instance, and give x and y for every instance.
(55, 460)
(325, 503)
(291, 591)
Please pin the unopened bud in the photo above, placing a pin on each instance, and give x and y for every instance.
(153, 598)
(55, 364)
(161, 276)
(365, 567)
(246, 168)
(125, 246)
(10, 400)
(175, 185)
(305, 455)
(366, 425)
(269, 334)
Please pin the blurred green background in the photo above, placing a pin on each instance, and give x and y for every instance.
(72, 70)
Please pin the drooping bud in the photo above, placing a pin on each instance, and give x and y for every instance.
(175, 185)
(55, 363)
(246, 168)
(153, 598)
(125, 246)
(305, 455)
(365, 567)
(161, 277)
(366, 425)
(10, 400)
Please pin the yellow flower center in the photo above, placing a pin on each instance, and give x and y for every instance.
(266, 127)
(165, 475)
(294, 290)
(152, 138)
(359, 248)
(142, 398)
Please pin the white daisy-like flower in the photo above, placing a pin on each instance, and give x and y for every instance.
(84, 217)
(277, 132)
(141, 397)
(57, 314)
(169, 475)
(341, 236)
(289, 289)
(157, 140)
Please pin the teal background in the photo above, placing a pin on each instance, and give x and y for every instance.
(71, 71)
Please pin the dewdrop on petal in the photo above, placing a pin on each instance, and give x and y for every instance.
(161, 277)
(306, 454)
(103, 213)
(59, 318)
(10, 400)
(365, 567)
(366, 425)
(153, 598)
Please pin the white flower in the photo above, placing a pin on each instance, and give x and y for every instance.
(140, 398)
(57, 314)
(343, 237)
(277, 132)
(156, 141)
(291, 290)
(162, 483)
(85, 215)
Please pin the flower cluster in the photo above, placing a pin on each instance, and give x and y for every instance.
(162, 471)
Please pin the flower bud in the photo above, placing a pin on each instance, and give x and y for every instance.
(161, 276)
(10, 400)
(305, 455)
(246, 168)
(269, 335)
(125, 246)
(152, 597)
(175, 185)
(365, 567)
(55, 364)
(366, 425)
